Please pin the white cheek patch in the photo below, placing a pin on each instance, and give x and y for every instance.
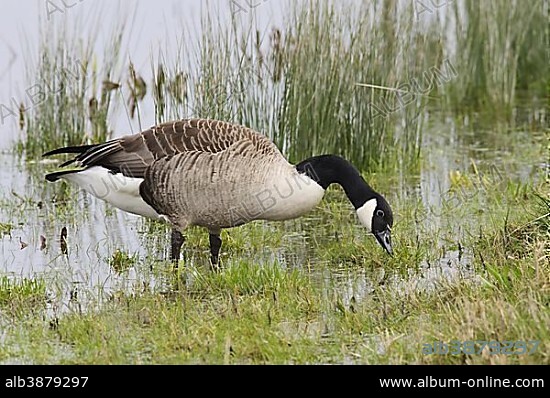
(366, 213)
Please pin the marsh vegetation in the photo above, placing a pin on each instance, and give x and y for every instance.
(457, 139)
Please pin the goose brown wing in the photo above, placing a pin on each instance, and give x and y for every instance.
(131, 155)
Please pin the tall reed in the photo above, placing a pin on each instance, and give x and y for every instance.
(327, 52)
(70, 89)
(298, 82)
(350, 78)
(500, 47)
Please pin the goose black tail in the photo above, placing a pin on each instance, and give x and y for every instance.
(80, 149)
(69, 149)
(52, 177)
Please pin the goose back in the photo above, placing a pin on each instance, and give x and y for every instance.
(131, 155)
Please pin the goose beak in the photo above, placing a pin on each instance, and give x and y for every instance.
(384, 238)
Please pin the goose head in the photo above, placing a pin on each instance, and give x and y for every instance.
(376, 216)
(372, 209)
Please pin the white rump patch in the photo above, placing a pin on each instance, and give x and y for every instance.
(366, 213)
(116, 189)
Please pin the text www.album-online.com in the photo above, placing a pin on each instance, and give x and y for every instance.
(489, 382)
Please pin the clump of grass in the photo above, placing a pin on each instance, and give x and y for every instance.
(510, 236)
(324, 110)
(245, 278)
(121, 261)
(5, 228)
(21, 297)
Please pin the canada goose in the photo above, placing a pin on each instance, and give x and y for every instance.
(215, 175)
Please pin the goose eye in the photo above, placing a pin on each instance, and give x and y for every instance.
(380, 213)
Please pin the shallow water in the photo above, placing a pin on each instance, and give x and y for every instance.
(38, 211)
(82, 277)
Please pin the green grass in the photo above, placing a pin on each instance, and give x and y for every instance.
(298, 82)
(470, 265)
(501, 52)
(21, 298)
(323, 110)
(253, 314)
(121, 261)
(5, 229)
(244, 278)
(340, 307)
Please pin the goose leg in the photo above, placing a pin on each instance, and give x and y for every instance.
(176, 244)
(215, 245)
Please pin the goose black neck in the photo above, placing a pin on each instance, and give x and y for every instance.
(330, 169)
